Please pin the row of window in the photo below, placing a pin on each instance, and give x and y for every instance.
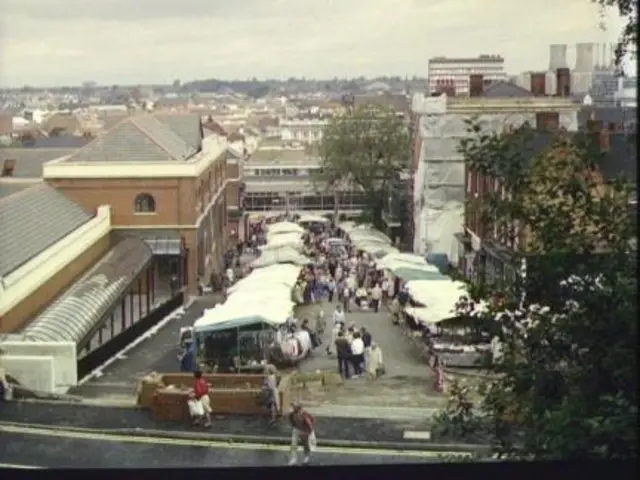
(279, 172)
(208, 188)
(265, 201)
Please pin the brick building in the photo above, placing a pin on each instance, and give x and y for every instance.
(165, 183)
(487, 253)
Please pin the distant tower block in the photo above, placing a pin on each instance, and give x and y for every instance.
(557, 57)
(585, 57)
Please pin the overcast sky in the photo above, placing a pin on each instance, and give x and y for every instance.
(49, 42)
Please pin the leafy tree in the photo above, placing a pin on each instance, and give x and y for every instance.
(566, 380)
(628, 41)
(366, 148)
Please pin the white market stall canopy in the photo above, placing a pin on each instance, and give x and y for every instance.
(285, 274)
(293, 240)
(231, 316)
(307, 218)
(428, 316)
(394, 259)
(278, 256)
(439, 296)
(282, 228)
(263, 297)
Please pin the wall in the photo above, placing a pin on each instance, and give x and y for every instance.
(34, 373)
(29, 289)
(121, 194)
(46, 367)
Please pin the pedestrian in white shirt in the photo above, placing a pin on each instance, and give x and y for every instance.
(385, 290)
(346, 298)
(390, 289)
(229, 275)
(338, 315)
(357, 354)
(376, 296)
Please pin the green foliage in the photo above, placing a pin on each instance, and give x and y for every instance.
(458, 419)
(366, 148)
(628, 41)
(567, 379)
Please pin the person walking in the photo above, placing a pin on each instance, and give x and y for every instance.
(376, 296)
(367, 340)
(303, 424)
(343, 351)
(357, 354)
(271, 395)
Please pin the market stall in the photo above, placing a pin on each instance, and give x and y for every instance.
(459, 340)
(283, 228)
(280, 256)
(292, 240)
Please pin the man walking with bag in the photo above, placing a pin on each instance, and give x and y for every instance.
(303, 433)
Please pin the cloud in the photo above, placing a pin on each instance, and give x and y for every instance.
(154, 41)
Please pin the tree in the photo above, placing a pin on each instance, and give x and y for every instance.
(566, 384)
(628, 41)
(366, 148)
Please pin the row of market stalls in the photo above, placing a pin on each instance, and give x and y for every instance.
(437, 327)
(250, 328)
(441, 330)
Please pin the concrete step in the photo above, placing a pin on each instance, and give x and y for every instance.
(373, 412)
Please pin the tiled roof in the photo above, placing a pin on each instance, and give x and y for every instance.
(186, 126)
(607, 115)
(29, 161)
(142, 138)
(32, 221)
(505, 90)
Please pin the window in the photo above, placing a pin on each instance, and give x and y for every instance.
(145, 203)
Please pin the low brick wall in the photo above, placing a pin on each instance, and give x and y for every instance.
(230, 394)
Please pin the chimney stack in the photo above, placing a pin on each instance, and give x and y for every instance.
(476, 85)
(563, 82)
(538, 84)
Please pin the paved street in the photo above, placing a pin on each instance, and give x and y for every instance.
(47, 449)
(407, 384)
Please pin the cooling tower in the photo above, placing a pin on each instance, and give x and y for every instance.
(585, 57)
(557, 57)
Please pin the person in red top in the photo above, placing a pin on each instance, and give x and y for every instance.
(199, 403)
(303, 425)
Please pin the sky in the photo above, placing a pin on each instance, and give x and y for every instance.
(128, 42)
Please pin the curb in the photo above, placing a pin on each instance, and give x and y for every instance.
(260, 439)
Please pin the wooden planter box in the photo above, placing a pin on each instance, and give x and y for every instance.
(230, 394)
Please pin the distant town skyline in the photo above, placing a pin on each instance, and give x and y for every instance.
(45, 43)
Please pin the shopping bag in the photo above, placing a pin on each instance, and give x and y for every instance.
(313, 443)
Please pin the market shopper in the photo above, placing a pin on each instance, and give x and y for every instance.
(270, 391)
(357, 354)
(199, 402)
(303, 424)
(343, 351)
(376, 297)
